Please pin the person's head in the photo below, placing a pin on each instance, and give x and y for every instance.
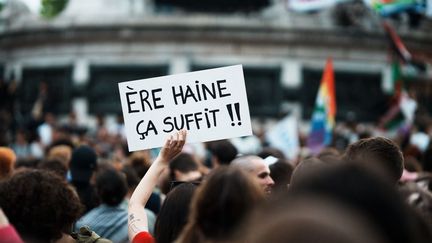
(223, 152)
(378, 151)
(281, 174)
(7, 161)
(257, 168)
(307, 220)
(184, 168)
(220, 205)
(62, 153)
(270, 151)
(427, 159)
(329, 154)
(50, 118)
(306, 167)
(55, 166)
(111, 186)
(364, 190)
(411, 164)
(40, 204)
(132, 178)
(83, 164)
(140, 161)
(174, 213)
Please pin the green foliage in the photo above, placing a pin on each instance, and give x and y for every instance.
(51, 8)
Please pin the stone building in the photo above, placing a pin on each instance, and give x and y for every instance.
(83, 52)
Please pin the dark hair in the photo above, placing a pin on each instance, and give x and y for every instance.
(427, 159)
(366, 191)
(378, 151)
(224, 151)
(83, 163)
(111, 186)
(307, 167)
(140, 162)
(281, 174)
(220, 205)
(55, 166)
(63, 141)
(174, 213)
(411, 164)
(40, 204)
(30, 163)
(330, 155)
(132, 178)
(184, 163)
(269, 151)
(307, 220)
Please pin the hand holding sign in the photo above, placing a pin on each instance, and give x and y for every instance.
(173, 146)
(210, 104)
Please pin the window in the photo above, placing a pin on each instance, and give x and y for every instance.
(356, 92)
(103, 94)
(58, 81)
(214, 6)
(263, 89)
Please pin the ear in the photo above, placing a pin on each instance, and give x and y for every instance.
(178, 175)
(214, 161)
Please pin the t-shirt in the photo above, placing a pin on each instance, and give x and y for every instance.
(143, 237)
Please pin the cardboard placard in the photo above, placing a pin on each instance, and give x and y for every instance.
(211, 104)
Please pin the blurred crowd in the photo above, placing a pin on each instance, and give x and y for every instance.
(61, 181)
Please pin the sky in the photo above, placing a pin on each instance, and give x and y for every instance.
(34, 5)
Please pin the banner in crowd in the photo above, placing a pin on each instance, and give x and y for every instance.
(210, 104)
(284, 136)
(324, 113)
(311, 5)
(391, 7)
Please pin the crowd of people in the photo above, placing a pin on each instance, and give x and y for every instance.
(65, 182)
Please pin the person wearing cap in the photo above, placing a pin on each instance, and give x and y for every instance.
(82, 167)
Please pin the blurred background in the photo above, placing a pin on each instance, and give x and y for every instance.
(64, 58)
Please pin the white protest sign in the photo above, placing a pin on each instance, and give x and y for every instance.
(210, 104)
(284, 136)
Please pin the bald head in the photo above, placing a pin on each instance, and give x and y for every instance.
(257, 168)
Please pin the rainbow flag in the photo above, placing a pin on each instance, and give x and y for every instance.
(323, 117)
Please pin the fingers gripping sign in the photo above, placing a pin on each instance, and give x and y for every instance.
(173, 146)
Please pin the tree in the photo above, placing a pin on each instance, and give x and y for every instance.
(51, 8)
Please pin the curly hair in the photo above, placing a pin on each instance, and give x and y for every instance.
(40, 204)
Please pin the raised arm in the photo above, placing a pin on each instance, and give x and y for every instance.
(137, 218)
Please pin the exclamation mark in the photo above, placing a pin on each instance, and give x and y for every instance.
(229, 108)
(237, 109)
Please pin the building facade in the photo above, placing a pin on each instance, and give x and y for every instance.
(92, 45)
